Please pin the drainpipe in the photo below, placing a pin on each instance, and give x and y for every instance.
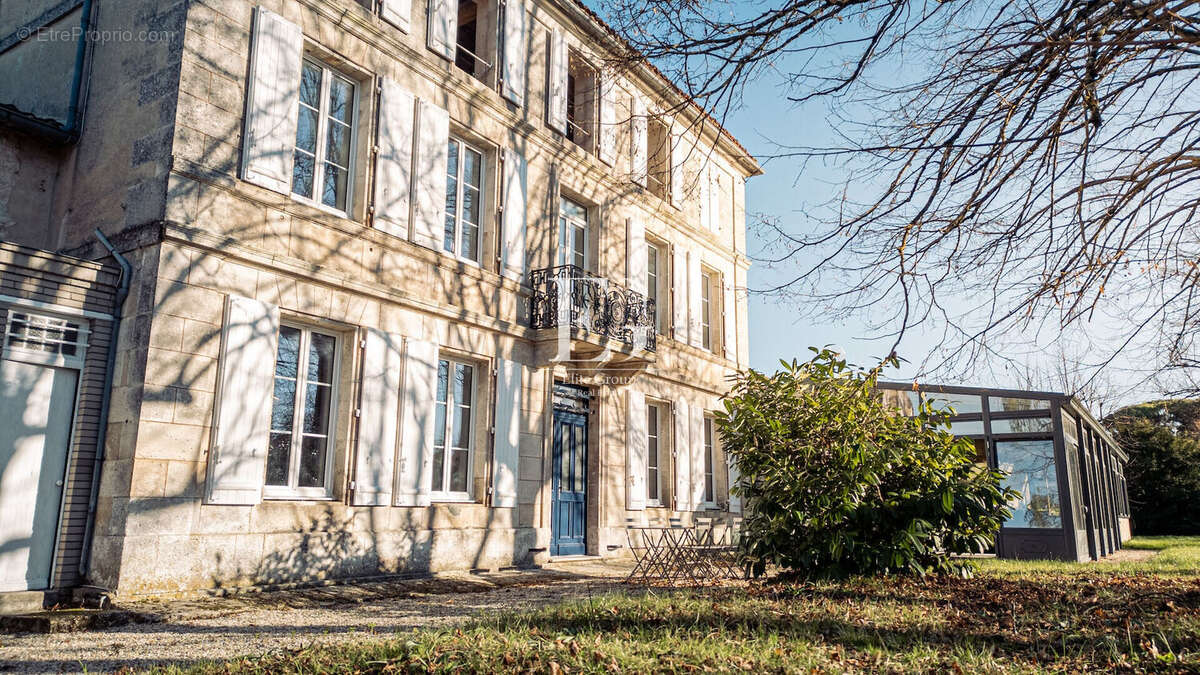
(105, 401)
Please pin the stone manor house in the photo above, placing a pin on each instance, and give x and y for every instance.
(308, 289)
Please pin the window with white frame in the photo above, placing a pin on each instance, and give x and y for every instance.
(710, 489)
(573, 234)
(655, 277)
(298, 456)
(706, 309)
(48, 339)
(324, 151)
(464, 200)
(454, 430)
(654, 417)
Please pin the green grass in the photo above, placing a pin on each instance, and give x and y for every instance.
(1012, 617)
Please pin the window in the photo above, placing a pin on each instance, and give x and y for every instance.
(710, 494)
(962, 404)
(474, 47)
(453, 431)
(654, 279)
(582, 102)
(1031, 472)
(653, 466)
(658, 154)
(324, 137)
(572, 234)
(301, 414)
(51, 338)
(464, 200)
(706, 308)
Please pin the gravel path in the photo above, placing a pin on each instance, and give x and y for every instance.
(220, 628)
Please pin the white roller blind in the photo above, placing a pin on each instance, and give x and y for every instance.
(273, 94)
(379, 419)
(516, 195)
(506, 471)
(636, 441)
(393, 169)
(697, 460)
(442, 27)
(695, 307)
(398, 13)
(513, 33)
(246, 382)
(635, 255)
(556, 83)
(608, 119)
(679, 292)
(414, 475)
(638, 130)
(429, 212)
(682, 455)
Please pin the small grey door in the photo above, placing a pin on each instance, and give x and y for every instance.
(37, 404)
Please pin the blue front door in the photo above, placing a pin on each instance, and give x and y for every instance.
(569, 499)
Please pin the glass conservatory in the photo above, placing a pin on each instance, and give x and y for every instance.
(1069, 471)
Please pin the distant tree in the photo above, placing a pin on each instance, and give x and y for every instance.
(835, 481)
(1162, 439)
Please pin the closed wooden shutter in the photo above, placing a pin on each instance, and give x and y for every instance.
(398, 13)
(638, 132)
(608, 119)
(695, 306)
(379, 419)
(507, 455)
(679, 292)
(441, 34)
(682, 455)
(429, 212)
(238, 458)
(515, 51)
(393, 169)
(680, 148)
(516, 195)
(636, 441)
(556, 83)
(415, 474)
(735, 501)
(273, 94)
(729, 313)
(706, 212)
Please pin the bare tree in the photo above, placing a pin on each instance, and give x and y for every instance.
(1017, 165)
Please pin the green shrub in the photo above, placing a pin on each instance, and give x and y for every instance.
(834, 482)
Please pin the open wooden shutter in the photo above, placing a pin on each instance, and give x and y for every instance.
(429, 213)
(415, 476)
(507, 455)
(246, 381)
(608, 119)
(516, 194)
(697, 460)
(679, 293)
(379, 419)
(635, 255)
(729, 313)
(556, 83)
(398, 13)
(680, 148)
(273, 94)
(706, 212)
(636, 442)
(393, 168)
(442, 27)
(682, 456)
(513, 38)
(695, 306)
(735, 501)
(638, 132)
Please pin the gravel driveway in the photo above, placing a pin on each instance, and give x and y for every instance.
(219, 628)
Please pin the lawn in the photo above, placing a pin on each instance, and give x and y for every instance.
(1011, 617)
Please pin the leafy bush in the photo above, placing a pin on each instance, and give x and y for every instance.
(1163, 475)
(835, 482)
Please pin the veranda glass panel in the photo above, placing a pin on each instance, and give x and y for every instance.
(1031, 472)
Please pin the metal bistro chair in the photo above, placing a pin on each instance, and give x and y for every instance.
(716, 548)
(649, 552)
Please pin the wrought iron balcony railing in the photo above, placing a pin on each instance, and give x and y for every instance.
(567, 295)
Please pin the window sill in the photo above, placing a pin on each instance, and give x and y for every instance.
(314, 204)
(451, 499)
(295, 498)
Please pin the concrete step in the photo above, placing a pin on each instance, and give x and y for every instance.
(22, 602)
(73, 620)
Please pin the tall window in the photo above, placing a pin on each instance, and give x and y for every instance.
(453, 431)
(305, 376)
(1031, 470)
(572, 234)
(706, 285)
(474, 52)
(582, 102)
(710, 495)
(324, 136)
(464, 200)
(654, 269)
(653, 474)
(658, 157)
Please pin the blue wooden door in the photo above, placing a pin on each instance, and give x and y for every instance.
(569, 485)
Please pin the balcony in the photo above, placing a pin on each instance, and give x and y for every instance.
(590, 315)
